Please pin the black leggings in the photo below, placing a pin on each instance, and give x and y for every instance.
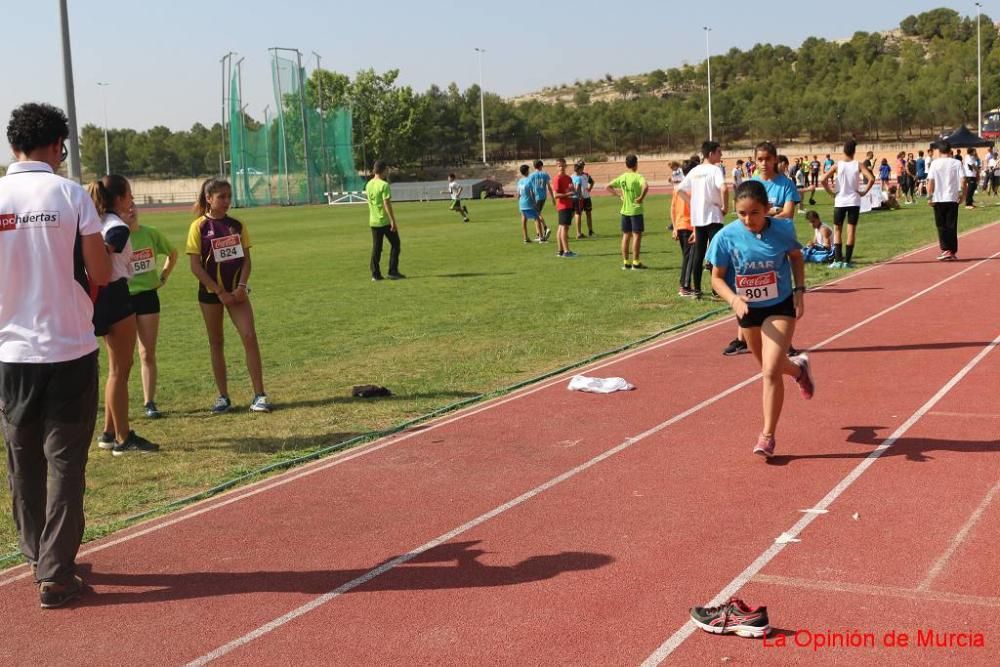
(687, 256)
(378, 234)
(703, 236)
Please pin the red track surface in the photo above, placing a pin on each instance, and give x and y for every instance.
(554, 527)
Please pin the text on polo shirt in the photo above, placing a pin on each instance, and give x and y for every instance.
(32, 220)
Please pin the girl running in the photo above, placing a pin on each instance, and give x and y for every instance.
(114, 318)
(847, 201)
(753, 265)
(148, 245)
(219, 248)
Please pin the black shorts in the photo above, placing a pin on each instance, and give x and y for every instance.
(633, 224)
(756, 316)
(584, 204)
(850, 212)
(146, 303)
(208, 297)
(566, 216)
(113, 305)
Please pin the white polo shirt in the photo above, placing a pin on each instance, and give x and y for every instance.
(946, 174)
(704, 185)
(45, 314)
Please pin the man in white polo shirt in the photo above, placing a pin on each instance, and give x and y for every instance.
(51, 252)
(704, 188)
(946, 187)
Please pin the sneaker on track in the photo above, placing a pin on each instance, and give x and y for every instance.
(805, 378)
(106, 440)
(764, 446)
(260, 404)
(151, 410)
(792, 352)
(736, 346)
(52, 594)
(222, 403)
(734, 616)
(944, 255)
(134, 444)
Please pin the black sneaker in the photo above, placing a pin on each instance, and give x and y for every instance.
(736, 346)
(152, 411)
(792, 352)
(106, 440)
(376, 278)
(734, 616)
(52, 594)
(135, 443)
(396, 276)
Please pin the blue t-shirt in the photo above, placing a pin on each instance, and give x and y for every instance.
(756, 268)
(884, 172)
(524, 199)
(780, 189)
(539, 183)
(921, 168)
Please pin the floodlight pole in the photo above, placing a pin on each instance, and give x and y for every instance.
(979, 68)
(222, 129)
(708, 63)
(243, 131)
(107, 155)
(322, 128)
(482, 102)
(281, 121)
(267, 148)
(73, 158)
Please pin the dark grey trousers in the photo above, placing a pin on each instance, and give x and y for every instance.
(47, 413)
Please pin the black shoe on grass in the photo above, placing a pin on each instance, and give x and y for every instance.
(734, 616)
(135, 444)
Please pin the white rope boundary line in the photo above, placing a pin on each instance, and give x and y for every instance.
(399, 560)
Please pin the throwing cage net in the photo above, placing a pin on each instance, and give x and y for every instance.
(299, 155)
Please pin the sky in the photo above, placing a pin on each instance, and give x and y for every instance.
(161, 58)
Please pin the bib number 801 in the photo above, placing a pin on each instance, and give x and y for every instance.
(756, 293)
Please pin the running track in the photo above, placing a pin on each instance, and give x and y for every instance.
(552, 527)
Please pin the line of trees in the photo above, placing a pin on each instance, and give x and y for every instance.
(874, 86)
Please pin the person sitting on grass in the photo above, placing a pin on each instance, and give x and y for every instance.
(820, 249)
(891, 202)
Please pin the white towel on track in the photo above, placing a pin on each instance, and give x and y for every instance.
(598, 385)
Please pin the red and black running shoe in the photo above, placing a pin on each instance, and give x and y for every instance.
(734, 616)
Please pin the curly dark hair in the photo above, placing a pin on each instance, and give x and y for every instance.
(34, 125)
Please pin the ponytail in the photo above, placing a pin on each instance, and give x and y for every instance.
(208, 187)
(105, 191)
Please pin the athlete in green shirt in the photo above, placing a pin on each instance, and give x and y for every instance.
(632, 189)
(382, 221)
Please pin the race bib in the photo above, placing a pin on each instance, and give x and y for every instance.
(757, 287)
(227, 248)
(143, 261)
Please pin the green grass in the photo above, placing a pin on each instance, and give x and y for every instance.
(480, 311)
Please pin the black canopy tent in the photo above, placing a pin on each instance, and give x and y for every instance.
(963, 137)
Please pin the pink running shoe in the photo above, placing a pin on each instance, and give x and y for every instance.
(765, 446)
(805, 378)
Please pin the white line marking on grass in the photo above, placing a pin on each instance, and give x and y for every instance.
(958, 539)
(791, 534)
(209, 504)
(685, 631)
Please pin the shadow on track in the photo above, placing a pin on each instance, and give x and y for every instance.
(450, 566)
(913, 449)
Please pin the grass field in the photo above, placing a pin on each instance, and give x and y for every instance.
(479, 311)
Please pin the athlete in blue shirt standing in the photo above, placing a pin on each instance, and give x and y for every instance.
(753, 264)
(526, 204)
(541, 183)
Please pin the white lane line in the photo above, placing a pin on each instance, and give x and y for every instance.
(685, 631)
(371, 574)
(958, 539)
(217, 502)
(878, 591)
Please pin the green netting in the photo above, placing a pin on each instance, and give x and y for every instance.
(276, 162)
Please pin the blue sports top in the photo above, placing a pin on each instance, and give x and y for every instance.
(539, 181)
(524, 199)
(780, 189)
(757, 266)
